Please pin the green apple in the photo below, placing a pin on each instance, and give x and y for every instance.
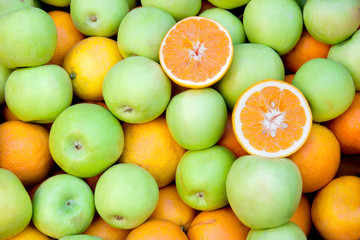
(229, 4)
(331, 21)
(4, 74)
(98, 18)
(15, 205)
(28, 37)
(196, 118)
(251, 63)
(136, 90)
(80, 237)
(201, 177)
(7, 6)
(348, 54)
(63, 205)
(85, 139)
(126, 195)
(57, 3)
(327, 86)
(263, 192)
(231, 23)
(287, 231)
(38, 94)
(275, 23)
(179, 9)
(142, 31)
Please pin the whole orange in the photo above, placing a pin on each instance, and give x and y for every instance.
(151, 146)
(24, 150)
(302, 215)
(335, 210)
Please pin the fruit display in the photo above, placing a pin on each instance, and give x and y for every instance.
(180, 120)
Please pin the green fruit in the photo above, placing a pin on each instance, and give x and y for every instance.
(80, 237)
(7, 6)
(85, 139)
(57, 3)
(229, 4)
(196, 118)
(38, 94)
(327, 86)
(287, 231)
(28, 37)
(15, 205)
(4, 74)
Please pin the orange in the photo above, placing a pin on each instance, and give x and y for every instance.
(101, 229)
(318, 159)
(159, 229)
(24, 150)
(87, 62)
(335, 210)
(7, 114)
(229, 140)
(289, 78)
(91, 181)
(67, 35)
(196, 52)
(302, 215)
(272, 119)
(30, 233)
(306, 48)
(205, 5)
(171, 207)
(218, 224)
(346, 128)
(151, 146)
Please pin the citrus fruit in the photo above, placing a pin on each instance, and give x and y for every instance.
(335, 210)
(272, 119)
(302, 215)
(30, 232)
(24, 150)
(196, 52)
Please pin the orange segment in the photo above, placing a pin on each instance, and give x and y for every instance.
(196, 52)
(272, 119)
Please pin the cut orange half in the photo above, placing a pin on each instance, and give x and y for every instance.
(196, 52)
(272, 119)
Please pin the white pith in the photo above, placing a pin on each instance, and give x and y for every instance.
(198, 51)
(273, 120)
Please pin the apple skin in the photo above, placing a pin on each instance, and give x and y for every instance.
(126, 195)
(15, 205)
(98, 18)
(327, 86)
(85, 139)
(21, 33)
(196, 118)
(4, 74)
(136, 90)
(201, 177)
(7, 6)
(347, 53)
(38, 94)
(80, 237)
(263, 192)
(228, 4)
(287, 231)
(231, 23)
(331, 21)
(251, 63)
(179, 9)
(142, 31)
(281, 32)
(57, 3)
(63, 205)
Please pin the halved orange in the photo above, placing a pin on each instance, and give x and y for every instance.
(196, 52)
(272, 118)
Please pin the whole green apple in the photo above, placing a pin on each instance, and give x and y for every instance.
(57, 3)
(179, 9)
(136, 90)
(251, 63)
(4, 74)
(275, 23)
(63, 205)
(98, 18)
(287, 231)
(126, 195)
(229, 4)
(196, 118)
(38, 94)
(231, 23)
(85, 139)
(331, 21)
(80, 237)
(348, 54)
(28, 37)
(263, 192)
(201, 177)
(327, 86)
(7, 6)
(15, 205)
(142, 31)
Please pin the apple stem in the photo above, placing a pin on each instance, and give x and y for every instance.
(93, 18)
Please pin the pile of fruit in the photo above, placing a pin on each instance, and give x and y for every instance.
(180, 119)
